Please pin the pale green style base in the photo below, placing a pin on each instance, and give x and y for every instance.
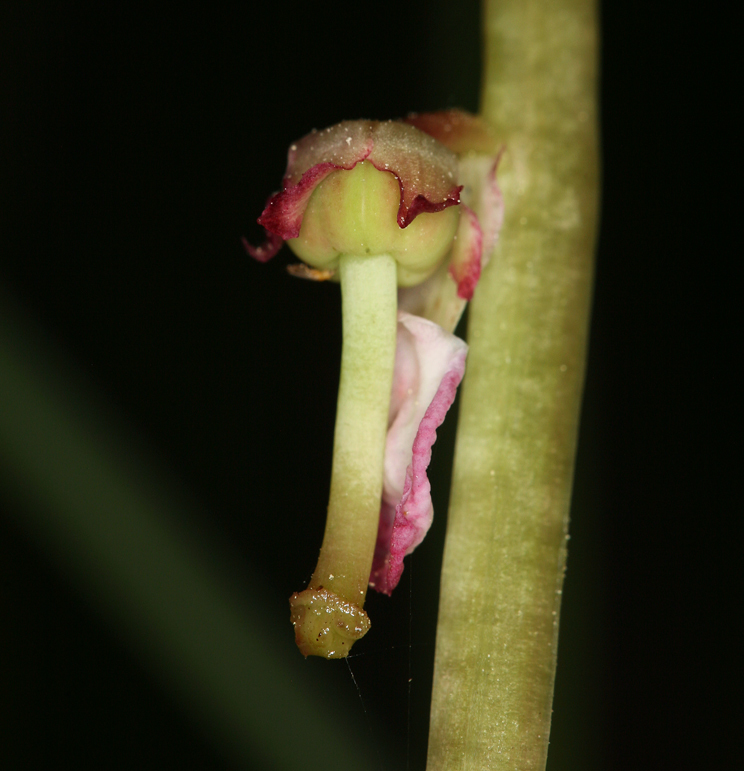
(328, 616)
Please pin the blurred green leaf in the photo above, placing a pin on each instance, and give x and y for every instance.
(96, 504)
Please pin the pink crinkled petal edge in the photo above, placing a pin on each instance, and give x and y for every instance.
(421, 204)
(414, 512)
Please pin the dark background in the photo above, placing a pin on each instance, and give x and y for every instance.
(137, 147)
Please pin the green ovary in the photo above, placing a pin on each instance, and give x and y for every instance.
(355, 212)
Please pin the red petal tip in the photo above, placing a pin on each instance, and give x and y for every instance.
(266, 250)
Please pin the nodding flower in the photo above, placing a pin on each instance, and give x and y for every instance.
(404, 214)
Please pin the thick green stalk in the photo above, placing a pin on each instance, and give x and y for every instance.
(505, 551)
(328, 615)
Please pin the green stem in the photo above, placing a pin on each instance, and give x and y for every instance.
(505, 552)
(328, 615)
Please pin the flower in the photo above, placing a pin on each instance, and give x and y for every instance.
(425, 171)
(422, 192)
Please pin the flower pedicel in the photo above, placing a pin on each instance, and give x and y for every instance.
(381, 207)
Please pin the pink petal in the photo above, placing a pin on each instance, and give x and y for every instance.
(428, 368)
(482, 194)
(426, 172)
(465, 262)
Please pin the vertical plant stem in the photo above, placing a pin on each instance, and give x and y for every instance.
(505, 550)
